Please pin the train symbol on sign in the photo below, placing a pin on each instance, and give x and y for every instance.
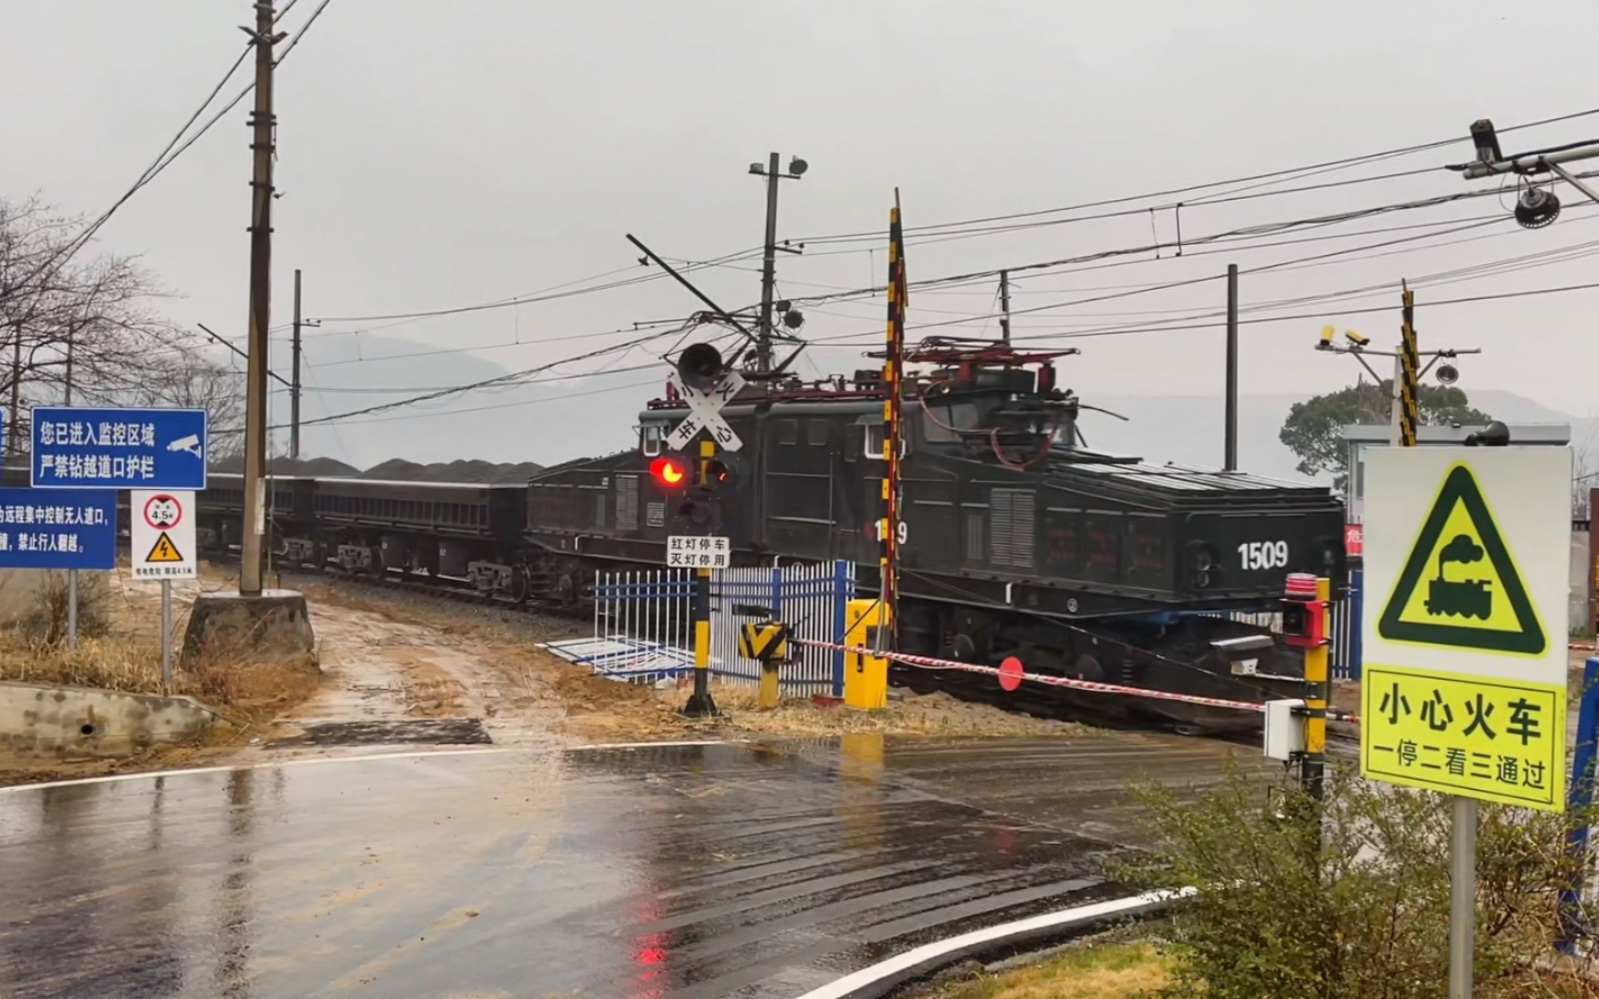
(1466, 597)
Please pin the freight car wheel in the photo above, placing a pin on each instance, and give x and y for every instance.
(521, 585)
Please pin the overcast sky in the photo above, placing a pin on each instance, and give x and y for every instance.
(444, 154)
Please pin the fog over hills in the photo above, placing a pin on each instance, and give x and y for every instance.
(505, 431)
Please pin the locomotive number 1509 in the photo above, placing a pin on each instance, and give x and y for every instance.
(1263, 555)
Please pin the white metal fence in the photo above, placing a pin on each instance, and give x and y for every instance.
(808, 598)
(644, 630)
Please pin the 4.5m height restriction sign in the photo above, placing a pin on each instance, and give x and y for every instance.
(1467, 562)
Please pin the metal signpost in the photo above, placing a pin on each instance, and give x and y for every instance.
(162, 546)
(82, 448)
(1464, 686)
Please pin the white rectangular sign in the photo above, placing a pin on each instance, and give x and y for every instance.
(697, 552)
(162, 535)
(1464, 661)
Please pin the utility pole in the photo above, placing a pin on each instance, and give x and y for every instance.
(1004, 306)
(72, 574)
(1230, 445)
(263, 126)
(294, 383)
(763, 342)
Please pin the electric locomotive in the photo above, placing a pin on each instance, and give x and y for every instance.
(1017, 539)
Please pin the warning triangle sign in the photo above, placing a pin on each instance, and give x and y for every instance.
(164, 550)
(1460, 587)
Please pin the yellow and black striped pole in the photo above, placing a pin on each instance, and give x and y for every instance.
(700, 704)
(1409, 371)
(893, 372)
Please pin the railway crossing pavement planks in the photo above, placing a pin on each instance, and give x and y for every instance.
(84, 448)
(705, 413)
(1466, 556)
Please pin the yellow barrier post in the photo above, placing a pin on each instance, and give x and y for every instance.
(865, 675)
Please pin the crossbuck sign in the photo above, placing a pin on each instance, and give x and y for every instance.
(705, 413)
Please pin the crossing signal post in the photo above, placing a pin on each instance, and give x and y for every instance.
(1306, 607)
(698, 485)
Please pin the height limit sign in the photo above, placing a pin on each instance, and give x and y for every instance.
(162, 539)
(1467, 584)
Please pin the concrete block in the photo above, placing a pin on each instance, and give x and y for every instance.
(43, 719)
(276, 622)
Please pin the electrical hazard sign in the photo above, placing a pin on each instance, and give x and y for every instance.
(1464, 675)
(164, 550)
(162, 536)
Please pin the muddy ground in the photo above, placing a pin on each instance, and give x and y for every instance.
(400, 667)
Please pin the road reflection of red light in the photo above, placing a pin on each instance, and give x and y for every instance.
(651, 955)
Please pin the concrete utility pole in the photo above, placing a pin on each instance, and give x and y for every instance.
(1230, 431)
(1004, 306)
(294, 376)
(263, 125)
(796, 168)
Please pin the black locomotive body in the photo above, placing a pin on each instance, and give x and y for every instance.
(1015, 540)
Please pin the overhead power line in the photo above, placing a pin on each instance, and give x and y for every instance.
(1343, 163)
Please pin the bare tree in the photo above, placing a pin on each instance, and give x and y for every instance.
(65, 313)
(188, 381)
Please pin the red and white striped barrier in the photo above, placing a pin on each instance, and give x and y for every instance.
(927, 662)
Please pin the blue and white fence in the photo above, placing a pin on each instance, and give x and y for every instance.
(644, 630)
(1343, 629)
(810, 599)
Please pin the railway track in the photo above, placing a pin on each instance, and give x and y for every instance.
(1039, 702)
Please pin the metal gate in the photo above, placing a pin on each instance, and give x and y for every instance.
(644, 629)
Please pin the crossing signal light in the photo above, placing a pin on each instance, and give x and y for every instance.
(670, 472)
(700, 366)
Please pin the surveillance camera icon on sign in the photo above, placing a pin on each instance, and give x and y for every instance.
(191, 444)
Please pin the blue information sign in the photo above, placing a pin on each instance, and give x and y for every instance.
(82, 448)
(58, 529)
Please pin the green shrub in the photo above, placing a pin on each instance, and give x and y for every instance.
(1358, 910)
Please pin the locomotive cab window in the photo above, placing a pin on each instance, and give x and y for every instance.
(650, 437)
(874, 441)
(788, 431)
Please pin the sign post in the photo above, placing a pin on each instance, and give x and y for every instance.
(1464, 686)
(76, 448)
(162, 546)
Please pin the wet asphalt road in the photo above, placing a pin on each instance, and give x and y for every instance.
(682, 872)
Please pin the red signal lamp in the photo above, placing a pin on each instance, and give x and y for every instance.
(669, 472)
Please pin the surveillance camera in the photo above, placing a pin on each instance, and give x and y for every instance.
(1448, 374)
(1326, 338)
(1356, 338)
(1486, 141)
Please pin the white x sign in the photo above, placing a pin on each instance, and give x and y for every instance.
(705, 413)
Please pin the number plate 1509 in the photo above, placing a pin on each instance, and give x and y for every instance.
(1263, 555)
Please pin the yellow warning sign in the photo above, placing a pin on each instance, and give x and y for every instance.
(164, 550)
(1460, 586)
(1460, 734)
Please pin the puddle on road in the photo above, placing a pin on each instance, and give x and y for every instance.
(416, 732)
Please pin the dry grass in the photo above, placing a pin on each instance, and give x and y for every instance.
(1089, 971)
(916, 714)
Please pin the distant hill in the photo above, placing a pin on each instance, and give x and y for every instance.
(395, 470)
